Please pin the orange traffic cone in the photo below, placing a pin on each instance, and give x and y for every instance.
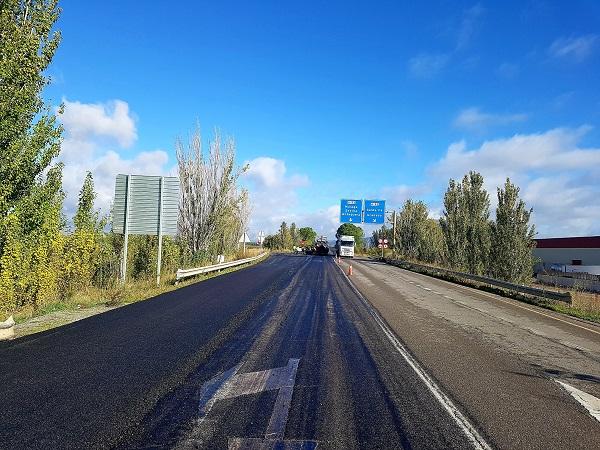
(350, 270)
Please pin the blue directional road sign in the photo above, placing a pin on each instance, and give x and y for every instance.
(374, 211)
(351, 211)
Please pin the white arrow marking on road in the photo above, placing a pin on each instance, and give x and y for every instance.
(230, 384)
(589, 402)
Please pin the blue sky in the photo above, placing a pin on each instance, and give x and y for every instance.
(331, 100)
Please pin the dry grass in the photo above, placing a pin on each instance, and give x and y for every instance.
(586, 301)
(250, 252)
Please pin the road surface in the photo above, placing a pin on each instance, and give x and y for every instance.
(289, 354)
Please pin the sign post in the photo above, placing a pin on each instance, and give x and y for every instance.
(125, 230)
(160, 220)
(147, 205)
(261, 238)
(383, 243)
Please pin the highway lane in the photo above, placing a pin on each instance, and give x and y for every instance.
(284, 353)
(90, 383)
(498, 358)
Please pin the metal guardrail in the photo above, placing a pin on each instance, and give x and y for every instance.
(553, 295)
(184, 273)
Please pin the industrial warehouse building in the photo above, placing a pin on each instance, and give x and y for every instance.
(570, 254)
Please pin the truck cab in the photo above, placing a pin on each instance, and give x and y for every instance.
(344, 246)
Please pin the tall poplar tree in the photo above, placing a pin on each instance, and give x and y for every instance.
(411, 223)
(30, 191)
(512, 237)
(476, 204)
(453, 224)
(465, 224)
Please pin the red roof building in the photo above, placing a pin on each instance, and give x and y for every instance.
(570, 242)
(570, 251)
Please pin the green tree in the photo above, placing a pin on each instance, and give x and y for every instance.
(271, 241)
(84, 248)
(453, 224)
(86, 217)
(349, 229)
(30, 191)
(465, 224)
(410, 225)
(512, 237)
(285, 237)
(477, 211)
(294, 234)
(308, 235)
(381, 233)
(432, 248)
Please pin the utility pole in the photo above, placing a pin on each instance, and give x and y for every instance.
(394, 234)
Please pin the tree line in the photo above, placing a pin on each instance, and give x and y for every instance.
(288, 237)
(465, 238)
(45, 256)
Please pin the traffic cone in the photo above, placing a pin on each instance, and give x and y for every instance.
(350, 270)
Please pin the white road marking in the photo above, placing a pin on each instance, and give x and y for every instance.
(463, 423)
(588, 401)
(230, 384)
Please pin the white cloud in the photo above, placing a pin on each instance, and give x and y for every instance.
(557, 176)
(109, 120)
(269, 172)
(575, 49)
(469, 25)
(395, 196)
(430, 64)
(273, 193)
(85, 149)
(508, 70)
(476, 120)
(427, 65)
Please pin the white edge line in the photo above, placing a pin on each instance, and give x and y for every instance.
(588, 401)
(463, 423)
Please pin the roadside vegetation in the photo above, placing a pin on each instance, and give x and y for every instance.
(288, 237)
(466, 239)
(49, 261)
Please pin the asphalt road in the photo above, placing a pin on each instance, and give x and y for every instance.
(500, 359)
(289, 354)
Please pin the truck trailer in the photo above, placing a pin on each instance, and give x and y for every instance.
(344, 246)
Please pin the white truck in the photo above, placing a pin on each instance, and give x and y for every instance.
(344, 246)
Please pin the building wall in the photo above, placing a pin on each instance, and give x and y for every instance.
(588, 256)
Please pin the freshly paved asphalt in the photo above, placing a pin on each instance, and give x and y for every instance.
(132, 377)
(142, 376)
